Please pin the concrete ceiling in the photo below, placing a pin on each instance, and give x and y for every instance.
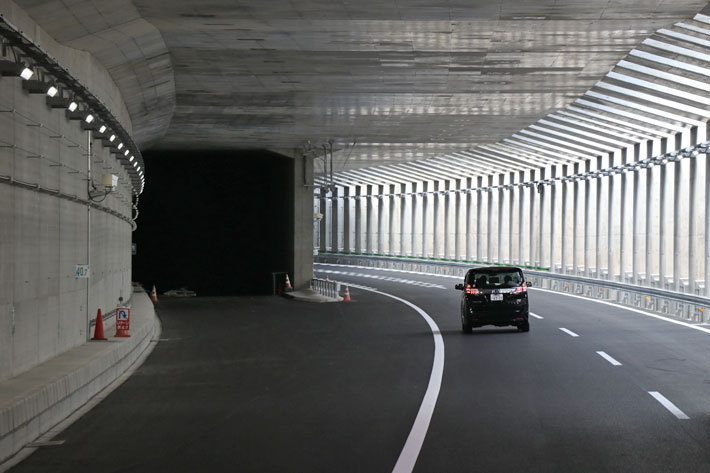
(403, 80)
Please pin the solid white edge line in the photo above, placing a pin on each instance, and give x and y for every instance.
(536, 316)
(669, 405)
(410, 452)
(638, 311)
(569, 332)
(608, 358)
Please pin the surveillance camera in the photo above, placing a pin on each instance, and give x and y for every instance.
(109, 181)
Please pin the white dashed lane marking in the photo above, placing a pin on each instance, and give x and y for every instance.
(608, 358)
(668, 405)
(569, 332)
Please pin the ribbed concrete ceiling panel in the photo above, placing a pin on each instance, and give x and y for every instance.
(649, 94)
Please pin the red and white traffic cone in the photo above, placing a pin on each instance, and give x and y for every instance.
(153, 295)
(326, 279)
(346, 296)
(99, 327)
(288, 284)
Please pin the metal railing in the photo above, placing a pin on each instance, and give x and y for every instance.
(326, 288)
(682, 306)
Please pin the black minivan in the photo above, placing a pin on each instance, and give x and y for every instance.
(494, 295)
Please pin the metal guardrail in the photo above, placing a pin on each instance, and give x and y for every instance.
(326, 288)
(687, 307)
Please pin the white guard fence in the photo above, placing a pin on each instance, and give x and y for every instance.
(326, 288)
(687, 307)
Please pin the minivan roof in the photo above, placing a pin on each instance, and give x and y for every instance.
(495, 269)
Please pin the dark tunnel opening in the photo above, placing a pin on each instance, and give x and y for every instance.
(214, 222)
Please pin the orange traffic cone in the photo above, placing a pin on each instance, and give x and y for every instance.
(326, 279)
(346, 297)
(99, 327)
(288, 284)
(153, 295)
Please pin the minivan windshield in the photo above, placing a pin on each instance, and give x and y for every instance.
(495, 279)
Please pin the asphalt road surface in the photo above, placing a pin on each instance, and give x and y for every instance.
(271, 385)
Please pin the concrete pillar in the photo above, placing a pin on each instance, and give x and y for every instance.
(565, 221)
(426, 238)
(577, 217)
(302, 270)
(542, 218)
(382, 229)
(459, 233)
(604, 186)
(501, 220)
(706, 271)
(615, 211)
(323, 224)
(532, 221)
(512, 228)
(448, 222)
(523, 241)
(393, 202)
(491, 223)
(405, 220)
(437, 224)
(636, 244)
(652, 214)
(589, 220)
(665, 229)
(358, 220)
(347, 215)
(369, 219)
(334, 219)
(470, 221)
(480, 227)
(552, 217)
(416, 221)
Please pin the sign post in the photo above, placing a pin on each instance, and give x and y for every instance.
(123, 321)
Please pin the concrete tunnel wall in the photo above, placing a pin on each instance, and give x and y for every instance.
(43, 224)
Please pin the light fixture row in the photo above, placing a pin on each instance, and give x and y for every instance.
(41, 74)
(673, 156)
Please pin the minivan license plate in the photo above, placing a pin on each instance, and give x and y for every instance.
(496, 297)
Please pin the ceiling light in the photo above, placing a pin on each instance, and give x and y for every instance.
(73, 106)
(89, 118)
(120, 145)
(26, 73)
(102, 129)
(126, 153)
(52, 91)
(113, 137)
(131, 159)
(135, 163)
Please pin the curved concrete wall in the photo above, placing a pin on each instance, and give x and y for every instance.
(43, 219)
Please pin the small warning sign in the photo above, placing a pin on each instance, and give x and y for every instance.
(123, 321)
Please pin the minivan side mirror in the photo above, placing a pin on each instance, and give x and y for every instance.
(529, 283)
(459, 287)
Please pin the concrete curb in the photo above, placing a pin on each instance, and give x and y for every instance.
(27, 413)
